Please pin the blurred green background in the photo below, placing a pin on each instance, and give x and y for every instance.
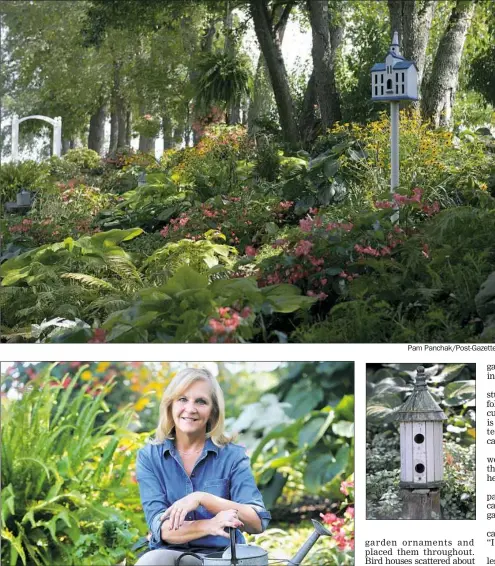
(71, 431)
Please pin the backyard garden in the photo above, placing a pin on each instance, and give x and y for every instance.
(71, 431)
(268, 215)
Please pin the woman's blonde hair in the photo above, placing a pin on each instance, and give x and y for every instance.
(179, 384)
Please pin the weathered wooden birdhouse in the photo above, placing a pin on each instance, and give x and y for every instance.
(421, 438)
(396, 79)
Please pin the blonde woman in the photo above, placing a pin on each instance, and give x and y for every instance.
(193, 481)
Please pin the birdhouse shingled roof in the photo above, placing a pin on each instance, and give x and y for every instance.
(420, 406)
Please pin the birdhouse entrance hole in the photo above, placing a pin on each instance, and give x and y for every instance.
(420, 468)
(419, 439)
(389, 84)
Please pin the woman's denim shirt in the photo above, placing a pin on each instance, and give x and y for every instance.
(223, 471)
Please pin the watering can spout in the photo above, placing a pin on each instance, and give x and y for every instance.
(319, 531)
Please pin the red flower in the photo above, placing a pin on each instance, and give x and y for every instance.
(98, 336)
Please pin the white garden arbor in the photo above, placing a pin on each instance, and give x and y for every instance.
(57, 133)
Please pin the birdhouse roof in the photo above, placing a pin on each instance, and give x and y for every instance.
(402, 64)
(420, 406)
(395, 55)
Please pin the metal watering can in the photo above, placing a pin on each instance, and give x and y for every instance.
(252, 555)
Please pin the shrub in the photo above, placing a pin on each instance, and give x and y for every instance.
(85, 159)
(210, 168)
(27, 175)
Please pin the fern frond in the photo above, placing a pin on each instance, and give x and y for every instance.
(89, 280)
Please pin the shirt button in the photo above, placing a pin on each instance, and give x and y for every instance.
(193, 474)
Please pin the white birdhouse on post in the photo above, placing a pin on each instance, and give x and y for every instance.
(421, 450)
(396, 79)
(393, 81)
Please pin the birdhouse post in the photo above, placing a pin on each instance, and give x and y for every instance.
(394, 80)
(421, 452)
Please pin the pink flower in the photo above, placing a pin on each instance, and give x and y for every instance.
(250, 251)
(345, 485)
(383, 204)
(306, 224)
(303, 248)
(328, 518)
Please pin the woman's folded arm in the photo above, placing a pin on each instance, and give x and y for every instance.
(245, 512)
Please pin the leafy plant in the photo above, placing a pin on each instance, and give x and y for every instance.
(27, 175)
(83, 158)
(223, 79)
(68, 277)
(184, 309)
(307, 418)
(50, 464)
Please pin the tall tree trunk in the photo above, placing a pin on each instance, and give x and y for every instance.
(270, 47)
(412, 19)
(307, 121)
(324, 63)
(121, 119)
(146, 143)
(178, 136)
(128, 129)
(439, 93)
(96, 136)
(114, 115)
(234, 109)
(114, 129)
(262, 91)
(209, 35)
(168, 139)
(119, 106)
(395, 8)
(66, 145)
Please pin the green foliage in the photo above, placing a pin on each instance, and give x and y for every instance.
(182, 309)
(148, 206)
(72, 278)
(305, 422)
(200, 255)
(27, 175)
(50, 466)
(458, 501)
(452, 385)
(267, 163)
(83, 158)
(223, 80)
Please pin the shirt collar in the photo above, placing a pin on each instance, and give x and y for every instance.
(169, 446)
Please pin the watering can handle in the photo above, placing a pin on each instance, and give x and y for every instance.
(188, 554)
(232, 546)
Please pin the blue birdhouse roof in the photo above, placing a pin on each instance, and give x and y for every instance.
(395, 55)
(403, 64)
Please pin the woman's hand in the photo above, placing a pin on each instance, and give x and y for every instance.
(176, 513)
(224, 519)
